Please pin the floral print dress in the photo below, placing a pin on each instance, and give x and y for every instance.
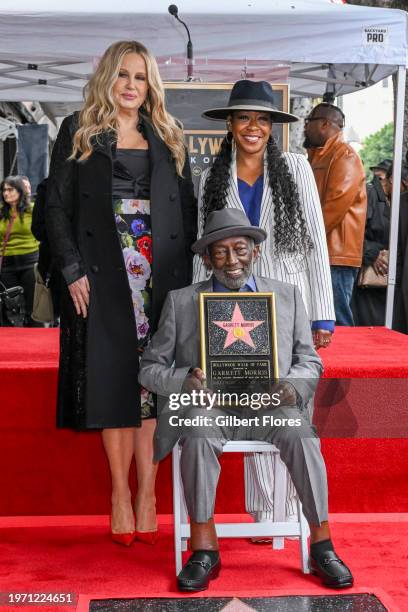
(131, 205)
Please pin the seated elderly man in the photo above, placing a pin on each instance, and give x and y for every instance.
(229, 246)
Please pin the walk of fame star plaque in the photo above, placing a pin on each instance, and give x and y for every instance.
(238, 341)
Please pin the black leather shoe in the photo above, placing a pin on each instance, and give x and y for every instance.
(197, 572)
(333, 572)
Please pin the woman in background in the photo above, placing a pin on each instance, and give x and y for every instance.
(18, 247)
(369, 303)
(121, 217)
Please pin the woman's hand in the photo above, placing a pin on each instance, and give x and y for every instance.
(380, 265)
(79, 291)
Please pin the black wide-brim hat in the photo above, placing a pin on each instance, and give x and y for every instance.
(385, 165)
(251, 96)
(226, 223)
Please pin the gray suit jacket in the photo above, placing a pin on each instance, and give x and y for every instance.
(175, 348)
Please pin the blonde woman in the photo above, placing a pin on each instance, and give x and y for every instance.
(121, 217)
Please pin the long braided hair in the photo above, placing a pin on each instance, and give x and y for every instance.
(290, 231)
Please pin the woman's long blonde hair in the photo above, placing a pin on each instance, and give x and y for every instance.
(100, 109)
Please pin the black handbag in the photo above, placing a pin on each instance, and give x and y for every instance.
(12, 303)
(12, 306)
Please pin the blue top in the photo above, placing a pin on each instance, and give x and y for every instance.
(251, 198)
(329, 325)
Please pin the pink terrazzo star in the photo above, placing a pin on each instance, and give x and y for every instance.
(238, 328)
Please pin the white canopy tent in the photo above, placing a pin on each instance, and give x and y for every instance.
(318, 41)
(48, 52)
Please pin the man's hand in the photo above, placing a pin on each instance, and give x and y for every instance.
(194, 381)
(286, 392)
(79, 291)
(321, 338)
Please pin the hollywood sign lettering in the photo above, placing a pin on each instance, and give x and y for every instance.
(204, 145)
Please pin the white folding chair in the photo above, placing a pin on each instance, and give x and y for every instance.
(277, 528)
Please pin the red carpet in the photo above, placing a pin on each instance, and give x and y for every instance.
(366, 352)
(46, 471)
(75, 555)
(363, 352)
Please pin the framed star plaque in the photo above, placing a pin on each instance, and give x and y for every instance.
(238, 341)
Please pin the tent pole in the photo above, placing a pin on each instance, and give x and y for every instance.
(395, 201)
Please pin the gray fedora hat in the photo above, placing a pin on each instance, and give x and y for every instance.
(225, 223)
(251, 96)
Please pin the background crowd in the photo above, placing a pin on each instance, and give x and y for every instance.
(356, 217)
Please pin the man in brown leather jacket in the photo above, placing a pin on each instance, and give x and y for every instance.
(340, 180)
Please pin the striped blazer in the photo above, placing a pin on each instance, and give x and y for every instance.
(311, 273)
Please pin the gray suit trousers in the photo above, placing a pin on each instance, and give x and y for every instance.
(299, 448)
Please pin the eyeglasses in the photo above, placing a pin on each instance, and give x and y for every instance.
(309, 119)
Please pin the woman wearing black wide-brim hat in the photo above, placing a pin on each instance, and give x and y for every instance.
(278, 193)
